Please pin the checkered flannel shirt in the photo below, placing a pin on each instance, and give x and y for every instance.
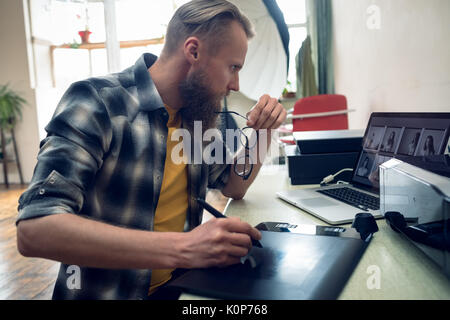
(103, 158)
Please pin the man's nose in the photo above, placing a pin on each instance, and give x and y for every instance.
(234, 84)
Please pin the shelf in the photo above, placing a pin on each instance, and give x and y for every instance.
(102, 45)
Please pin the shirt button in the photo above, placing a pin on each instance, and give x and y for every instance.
(52, 180)
(158, 178)
(41, 191)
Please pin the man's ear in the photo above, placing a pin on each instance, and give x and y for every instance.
(191, 49)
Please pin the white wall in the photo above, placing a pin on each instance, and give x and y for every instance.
(402, 66)
(14, 66)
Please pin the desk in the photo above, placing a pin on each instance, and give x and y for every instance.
(405, 271)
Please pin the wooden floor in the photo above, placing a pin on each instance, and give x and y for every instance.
(32, 278)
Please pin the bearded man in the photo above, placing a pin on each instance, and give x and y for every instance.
(106, 199)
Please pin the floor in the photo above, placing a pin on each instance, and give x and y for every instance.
(33, 278)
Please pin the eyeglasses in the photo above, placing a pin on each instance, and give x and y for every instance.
(244, 170)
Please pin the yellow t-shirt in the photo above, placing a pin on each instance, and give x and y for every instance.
(172, 205)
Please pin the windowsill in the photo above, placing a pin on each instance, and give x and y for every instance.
(101, 45)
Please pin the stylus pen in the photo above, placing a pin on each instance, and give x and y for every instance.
(216, 213)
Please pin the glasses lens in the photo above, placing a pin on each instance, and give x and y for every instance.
(248, 137)
(243, 139)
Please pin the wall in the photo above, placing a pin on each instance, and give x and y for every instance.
(47, 96)
(17, 70)
(402, 66)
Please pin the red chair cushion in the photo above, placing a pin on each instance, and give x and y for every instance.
(317, 104)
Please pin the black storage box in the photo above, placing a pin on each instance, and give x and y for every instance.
(312, 168)
(329, 141)
(318, 154)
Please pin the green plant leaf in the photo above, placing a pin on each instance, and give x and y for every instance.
(11, 104)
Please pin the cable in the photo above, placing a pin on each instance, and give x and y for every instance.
(331, 177)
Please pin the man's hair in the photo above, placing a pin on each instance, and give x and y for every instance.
(209, 20)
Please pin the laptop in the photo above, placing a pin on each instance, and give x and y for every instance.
(387, 135)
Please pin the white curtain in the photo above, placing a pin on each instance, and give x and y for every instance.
(265, 65)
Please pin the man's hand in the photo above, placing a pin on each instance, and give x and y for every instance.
(268, 113)
(218, 242)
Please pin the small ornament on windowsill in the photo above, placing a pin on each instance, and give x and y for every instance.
(84, 35)
(289, 94)
(287, 91)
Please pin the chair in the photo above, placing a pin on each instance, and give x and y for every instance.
(320, 112)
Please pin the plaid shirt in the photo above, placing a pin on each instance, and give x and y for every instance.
(103, 158)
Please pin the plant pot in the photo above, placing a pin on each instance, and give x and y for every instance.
(289, 95)
(84, 36)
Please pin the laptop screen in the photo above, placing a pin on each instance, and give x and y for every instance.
(400, 135)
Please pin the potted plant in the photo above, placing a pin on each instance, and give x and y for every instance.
(11, 104)
(287, 91)
(84, 34)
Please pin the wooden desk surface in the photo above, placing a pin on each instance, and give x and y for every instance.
(404, 271)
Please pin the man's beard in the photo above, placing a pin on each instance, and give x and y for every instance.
(199, 102)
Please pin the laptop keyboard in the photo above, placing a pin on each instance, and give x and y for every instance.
(354, 198)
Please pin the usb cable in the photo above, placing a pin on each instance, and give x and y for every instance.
(331, 177)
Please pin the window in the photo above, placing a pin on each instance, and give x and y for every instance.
(295, 16)
(142, 19)
(58, 23)
(55, 25)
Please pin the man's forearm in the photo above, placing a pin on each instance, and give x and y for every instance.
(72, 239)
